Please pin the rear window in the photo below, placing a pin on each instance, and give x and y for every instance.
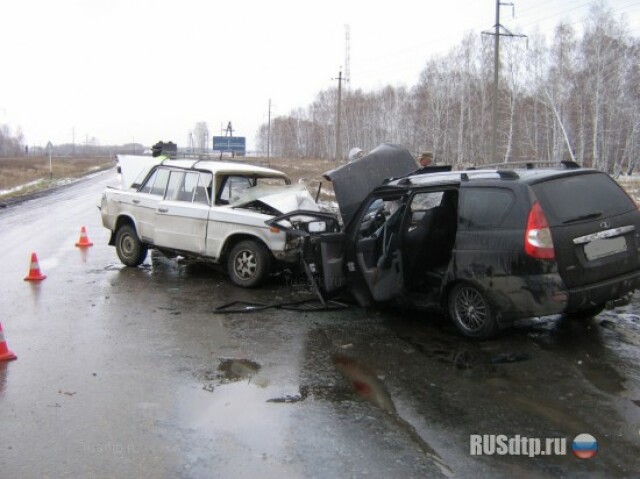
(590, 196)
(485, 207)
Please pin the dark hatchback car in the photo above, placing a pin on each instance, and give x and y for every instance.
(486, 246)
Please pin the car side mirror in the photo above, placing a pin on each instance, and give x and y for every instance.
(317, 226)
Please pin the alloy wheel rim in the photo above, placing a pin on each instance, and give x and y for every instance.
(245, 264)
(471, 309)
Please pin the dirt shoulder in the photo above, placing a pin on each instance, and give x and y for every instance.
(24, 178)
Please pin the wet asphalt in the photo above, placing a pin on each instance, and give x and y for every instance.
(130, 372)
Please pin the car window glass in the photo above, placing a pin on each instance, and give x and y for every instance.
(146, 187)
(233, 187)
(484, 207)
(203, 188)
(160, 182)
(581, 196)
(271, 182)
(187, 188)
(426, 201)
(379, 212)
(420, 204)
(176, 184)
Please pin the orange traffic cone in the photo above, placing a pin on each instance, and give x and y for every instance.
(34, 270)
(5, 353)
(84, 239)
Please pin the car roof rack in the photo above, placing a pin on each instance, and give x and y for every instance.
(530, 165)
(508, 174)
(570, 164)
(503, 174)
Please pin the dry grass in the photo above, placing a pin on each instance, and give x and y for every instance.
(632, 185)
(15, 172)
(20, 171)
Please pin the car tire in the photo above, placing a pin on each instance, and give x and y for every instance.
(131, 251)
(585, 313)
(471, 312)
(248, 264)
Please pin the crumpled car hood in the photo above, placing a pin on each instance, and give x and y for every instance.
(354, 181)
(282, 198)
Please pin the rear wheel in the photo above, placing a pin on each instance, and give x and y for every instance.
(585, 313)
(248, 264)
(131, 251)
(471, 312)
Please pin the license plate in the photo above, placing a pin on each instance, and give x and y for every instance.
(604, 247)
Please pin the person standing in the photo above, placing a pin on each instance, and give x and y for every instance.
(355, 154)
(426, 159)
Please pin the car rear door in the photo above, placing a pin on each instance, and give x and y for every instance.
(146, 201)
(594, 226)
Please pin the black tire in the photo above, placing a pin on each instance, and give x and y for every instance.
(131, 251)
(585, 313)
(248, 264)
(471, 312)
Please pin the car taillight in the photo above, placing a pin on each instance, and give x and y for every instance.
(537, 239)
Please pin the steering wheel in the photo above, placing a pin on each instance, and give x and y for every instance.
(379, 219)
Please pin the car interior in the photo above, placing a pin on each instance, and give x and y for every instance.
(411, 236)
(429, 236)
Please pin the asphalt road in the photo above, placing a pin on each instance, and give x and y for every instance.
(127, 372)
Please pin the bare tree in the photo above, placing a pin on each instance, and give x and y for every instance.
(201, 137)
(576, 99)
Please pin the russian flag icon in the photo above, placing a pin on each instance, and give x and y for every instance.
(584, 446)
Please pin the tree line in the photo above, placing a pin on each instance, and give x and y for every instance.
(576, 98)
(11, 144)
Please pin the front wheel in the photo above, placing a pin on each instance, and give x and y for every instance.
(131, 251)
(471, 312)
(248, 264)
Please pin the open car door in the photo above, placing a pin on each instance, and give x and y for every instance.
(375, 259)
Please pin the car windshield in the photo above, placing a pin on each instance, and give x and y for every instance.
(235, 187)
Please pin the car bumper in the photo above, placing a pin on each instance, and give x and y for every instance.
(289, 257)
(599, 293)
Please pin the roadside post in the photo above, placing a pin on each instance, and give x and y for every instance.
(50, 147)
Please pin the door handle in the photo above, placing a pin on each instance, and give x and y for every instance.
(163, 210)
(136, 201)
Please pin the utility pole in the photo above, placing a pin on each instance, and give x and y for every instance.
(347, 56)
(338, 114)
(269, 135)
(496, 70)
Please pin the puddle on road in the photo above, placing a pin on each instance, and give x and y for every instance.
(365, 382)
(368, 385)
(237, 420)
(237, 410)
(232, 370)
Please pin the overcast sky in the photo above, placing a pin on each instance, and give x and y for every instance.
(148, 70)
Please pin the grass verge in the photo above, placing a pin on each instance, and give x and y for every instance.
(26, 175)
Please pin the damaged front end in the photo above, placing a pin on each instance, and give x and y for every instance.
(283, 203)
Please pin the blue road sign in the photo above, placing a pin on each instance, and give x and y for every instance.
(232, 144)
